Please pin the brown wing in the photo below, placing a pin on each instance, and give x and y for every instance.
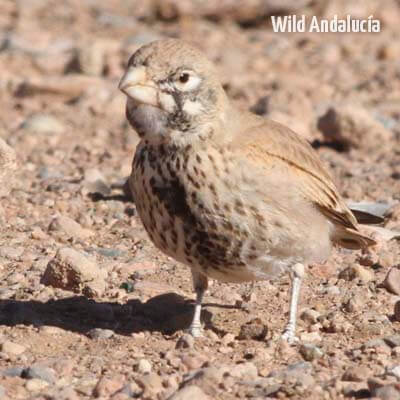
(268, 141)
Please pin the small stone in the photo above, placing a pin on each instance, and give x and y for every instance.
(51, 330)
(12, 348)
(352, 126)
(392, 281)
(44, 123)
(14, 371)
(357, 373)
(106, 387)
(186, 341)
(98, 333)
(68, 393)
(2, 392)
(310, 316)
(193, 361)
(397, 311)
(144, 366)
(71, 270)
(132, 389)
(95, 182)
(373, 344)
(228, 339)
(332, 290)
(312, 337)
(189, 392)
(245, 371)
(356, 271)
(388, 392)
(39, 372)
(393, 340)
(310, 352)
(34, 385)
(11, 252)
(151, 383)
(354, 304)
(70, 227)
(91, 58)
(394, 371)
(253, 330)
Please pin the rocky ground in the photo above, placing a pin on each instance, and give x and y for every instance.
(88, 307)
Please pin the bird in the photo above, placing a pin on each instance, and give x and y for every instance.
(233, 195)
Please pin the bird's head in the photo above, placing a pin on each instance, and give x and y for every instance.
(173, 92)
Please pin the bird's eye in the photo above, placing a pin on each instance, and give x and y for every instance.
(184, 77)
(186, 81)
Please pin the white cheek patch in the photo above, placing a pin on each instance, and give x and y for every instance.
(192, 107)
(167, 102)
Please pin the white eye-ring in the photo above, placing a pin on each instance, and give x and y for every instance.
(187, 81)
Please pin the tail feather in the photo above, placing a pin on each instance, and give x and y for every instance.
(351, 239)
(367, 218)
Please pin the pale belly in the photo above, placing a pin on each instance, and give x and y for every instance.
(229, 248)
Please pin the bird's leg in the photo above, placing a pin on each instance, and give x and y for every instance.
(290, 330)
(200, 283)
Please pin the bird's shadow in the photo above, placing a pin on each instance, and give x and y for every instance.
(166, 313)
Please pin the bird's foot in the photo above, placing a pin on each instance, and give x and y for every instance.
(195, 330)
(289, 335)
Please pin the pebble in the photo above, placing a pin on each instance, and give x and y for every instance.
(352, 126)
(228, 339)
(2, 391)
(310, 316)
(356, 271)
(13, 371)
(189, 392)
(151, 383)
(374, 344)
(186, 341)
(297, 371)
(357, 373)
(332, 290)
(193, 360)
(387, 392)
(12, 348)
(11, 252)
(132, 389)
(51, 330)
(91, 58)
(71, 270)
(144, 366)
(392, 281)
(39, 372)
(394, 371)
(354, 304)
(34, 385)
(72, 228)
(393, 340)
(253, 330)
(98, 333)
(94, 182)
(244, 371)
(310, 352)
(44, 123)
(106, 387)
(397, 311)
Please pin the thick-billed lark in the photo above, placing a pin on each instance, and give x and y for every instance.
(234, 196)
